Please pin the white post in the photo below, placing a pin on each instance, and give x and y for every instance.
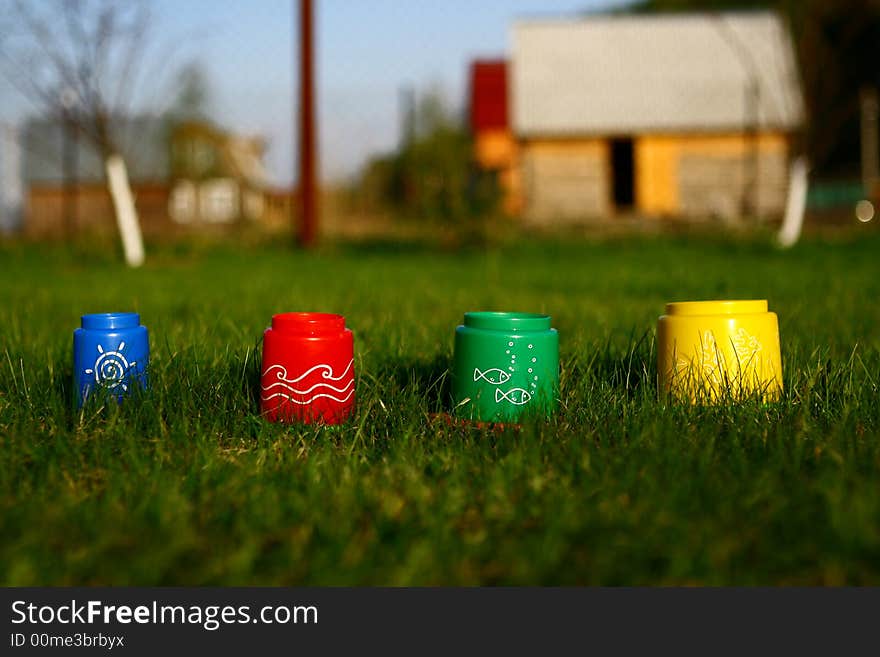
(796, 203)
(126, 214)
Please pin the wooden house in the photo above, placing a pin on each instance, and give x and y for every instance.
(674, 115)
(185, 176)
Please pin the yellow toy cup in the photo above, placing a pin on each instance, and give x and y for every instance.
(714, 350)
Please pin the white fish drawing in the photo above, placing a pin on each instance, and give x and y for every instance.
(516, 396)
(494, 376)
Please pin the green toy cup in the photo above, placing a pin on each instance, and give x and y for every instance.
(506, 366)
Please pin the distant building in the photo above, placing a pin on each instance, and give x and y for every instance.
(217, 177)
(182, 175)
(678, 115)
(10, 179)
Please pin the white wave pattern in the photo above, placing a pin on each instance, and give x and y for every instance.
(288, 389)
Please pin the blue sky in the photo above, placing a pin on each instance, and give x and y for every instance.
(366, 50)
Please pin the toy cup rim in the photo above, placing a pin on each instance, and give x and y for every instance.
(507, 321)
(308, 322)
(110, 321)
(716, 307)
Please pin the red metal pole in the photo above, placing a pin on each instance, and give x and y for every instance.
(308, 197)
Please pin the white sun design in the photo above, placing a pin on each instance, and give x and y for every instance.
(111, 368)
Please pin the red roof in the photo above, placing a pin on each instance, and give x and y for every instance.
(488, 93)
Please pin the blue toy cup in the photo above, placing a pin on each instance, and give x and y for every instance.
(110, 355)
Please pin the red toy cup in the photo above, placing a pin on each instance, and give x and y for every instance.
(308, 369)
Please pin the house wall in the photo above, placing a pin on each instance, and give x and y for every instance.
(497, 150)
(163, 210)
(571, 179)
(708, 175)
(565, 180)
(44, 211)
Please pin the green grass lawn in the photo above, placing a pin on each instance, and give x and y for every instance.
(189, 486)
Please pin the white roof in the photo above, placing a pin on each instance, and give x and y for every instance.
(629, 74)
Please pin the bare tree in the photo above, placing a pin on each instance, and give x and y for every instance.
(80, 62)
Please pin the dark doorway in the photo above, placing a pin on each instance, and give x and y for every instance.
(623, 172)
